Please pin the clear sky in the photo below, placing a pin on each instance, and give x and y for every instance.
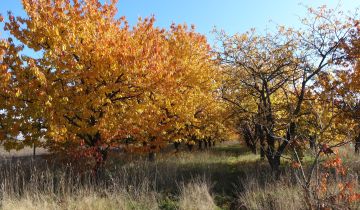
(231, 15)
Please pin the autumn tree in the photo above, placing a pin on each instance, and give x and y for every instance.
(177, 103)
(99, 81)
(348, 80)
(277, 74)
(258, 69)
(17, 119)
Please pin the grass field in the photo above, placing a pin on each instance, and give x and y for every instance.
(225, 177)
(26, 152)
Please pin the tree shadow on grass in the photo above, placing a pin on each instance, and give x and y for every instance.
(231, 150)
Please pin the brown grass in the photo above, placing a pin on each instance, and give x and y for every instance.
(25, 152)
(227, 177)
(196, 196)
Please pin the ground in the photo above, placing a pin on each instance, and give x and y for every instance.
(225, 177)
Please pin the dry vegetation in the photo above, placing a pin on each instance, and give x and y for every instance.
(26, 151)
(226, 177)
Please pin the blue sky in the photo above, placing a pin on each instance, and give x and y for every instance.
(231, 15)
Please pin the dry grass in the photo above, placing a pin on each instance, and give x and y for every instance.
(282, 195)
(227, 177)
(196, 196)
(25, 152)
(279, 195)
(85, 200)
(39, 184)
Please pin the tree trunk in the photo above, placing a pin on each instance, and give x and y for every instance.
(272, 155)
(312, 142)
(190, 147)
(261, 137)
(206, 144)
(34, 150)
(274, 162)
(152, 156)
(357, 145)
(262, 152)
(249, 137)
(209, 143)
(177, 145)
(101, 156)
(152, 153)
(200, 142)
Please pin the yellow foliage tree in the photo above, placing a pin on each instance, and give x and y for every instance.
(99, 81)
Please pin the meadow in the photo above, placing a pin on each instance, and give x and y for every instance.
(227, 176)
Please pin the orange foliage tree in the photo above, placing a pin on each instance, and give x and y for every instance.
(348, 85)
(99, 81)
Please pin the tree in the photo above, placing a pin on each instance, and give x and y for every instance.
(17, 120)
(99, 81)
(258, 68)
(348, 80)
(184, 94)
(277, 73)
